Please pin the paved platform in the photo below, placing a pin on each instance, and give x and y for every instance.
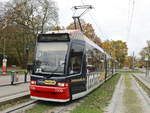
(143, 78)
(13, 91)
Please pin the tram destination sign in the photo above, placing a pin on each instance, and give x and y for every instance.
(53, 37)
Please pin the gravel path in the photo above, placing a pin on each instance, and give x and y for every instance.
(128, 97)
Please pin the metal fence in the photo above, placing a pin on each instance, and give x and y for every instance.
(14, 77)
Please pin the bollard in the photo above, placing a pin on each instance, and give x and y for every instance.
(13, 74)
(16, 77)
(25, 77)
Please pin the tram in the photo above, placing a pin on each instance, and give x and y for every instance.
(67, 66)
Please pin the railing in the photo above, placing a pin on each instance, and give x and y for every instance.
(14, 77)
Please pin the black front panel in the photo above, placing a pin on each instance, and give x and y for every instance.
(78, 84)
(53, 37)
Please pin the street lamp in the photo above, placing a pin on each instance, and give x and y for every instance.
(146, 60)
(27, 53)
(4, 61)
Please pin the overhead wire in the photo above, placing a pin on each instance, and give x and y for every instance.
(130, 18)
(129, 5)
(98, 27)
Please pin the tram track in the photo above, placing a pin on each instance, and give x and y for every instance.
(140, 89)
(67, 107)
(143, 93)
(141, 80)
(56, 107)
(13, 93)
(21, 107)
(15, 97)
(53, 107)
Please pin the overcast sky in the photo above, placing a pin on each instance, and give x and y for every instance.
(111, 19)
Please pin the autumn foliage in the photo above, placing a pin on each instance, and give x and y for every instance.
(117, 49)
(88, 31)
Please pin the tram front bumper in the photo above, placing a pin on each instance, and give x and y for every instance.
(49, 93)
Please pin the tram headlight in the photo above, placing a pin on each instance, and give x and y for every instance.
(62, 84)
(33, 82)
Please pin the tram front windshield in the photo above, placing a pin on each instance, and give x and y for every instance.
(50, 57)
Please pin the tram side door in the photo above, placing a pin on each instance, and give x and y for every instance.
(77, 77)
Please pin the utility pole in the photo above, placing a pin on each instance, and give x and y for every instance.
(147, 58)
(4, 61)
(133, 61)
(148, 62)
(4, 48)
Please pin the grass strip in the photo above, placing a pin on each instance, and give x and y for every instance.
(14, 103)
(98, 99)
(130, 71)
(144, 87)
(42, 107)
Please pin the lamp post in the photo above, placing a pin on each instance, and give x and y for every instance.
(27, 54)
(148, 42)
(4, 61)
(146, 60)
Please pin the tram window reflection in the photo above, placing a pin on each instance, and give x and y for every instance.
(95, 59)
(91, 68)
(75, 65)
(75, 59)
(51, 57)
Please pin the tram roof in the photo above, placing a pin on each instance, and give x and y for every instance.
(77, 34)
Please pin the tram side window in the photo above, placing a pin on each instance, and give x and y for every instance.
(109, 66)
(91, 60)
(101, 63)
(75, 59)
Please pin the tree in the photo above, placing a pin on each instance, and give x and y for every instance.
(140, 63)
(36, 15)
(117, 49)
(24, 19)
(88, 31)
(57, 28)
(146, 50)
(128, 62)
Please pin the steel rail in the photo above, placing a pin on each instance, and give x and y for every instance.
(20, 107)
